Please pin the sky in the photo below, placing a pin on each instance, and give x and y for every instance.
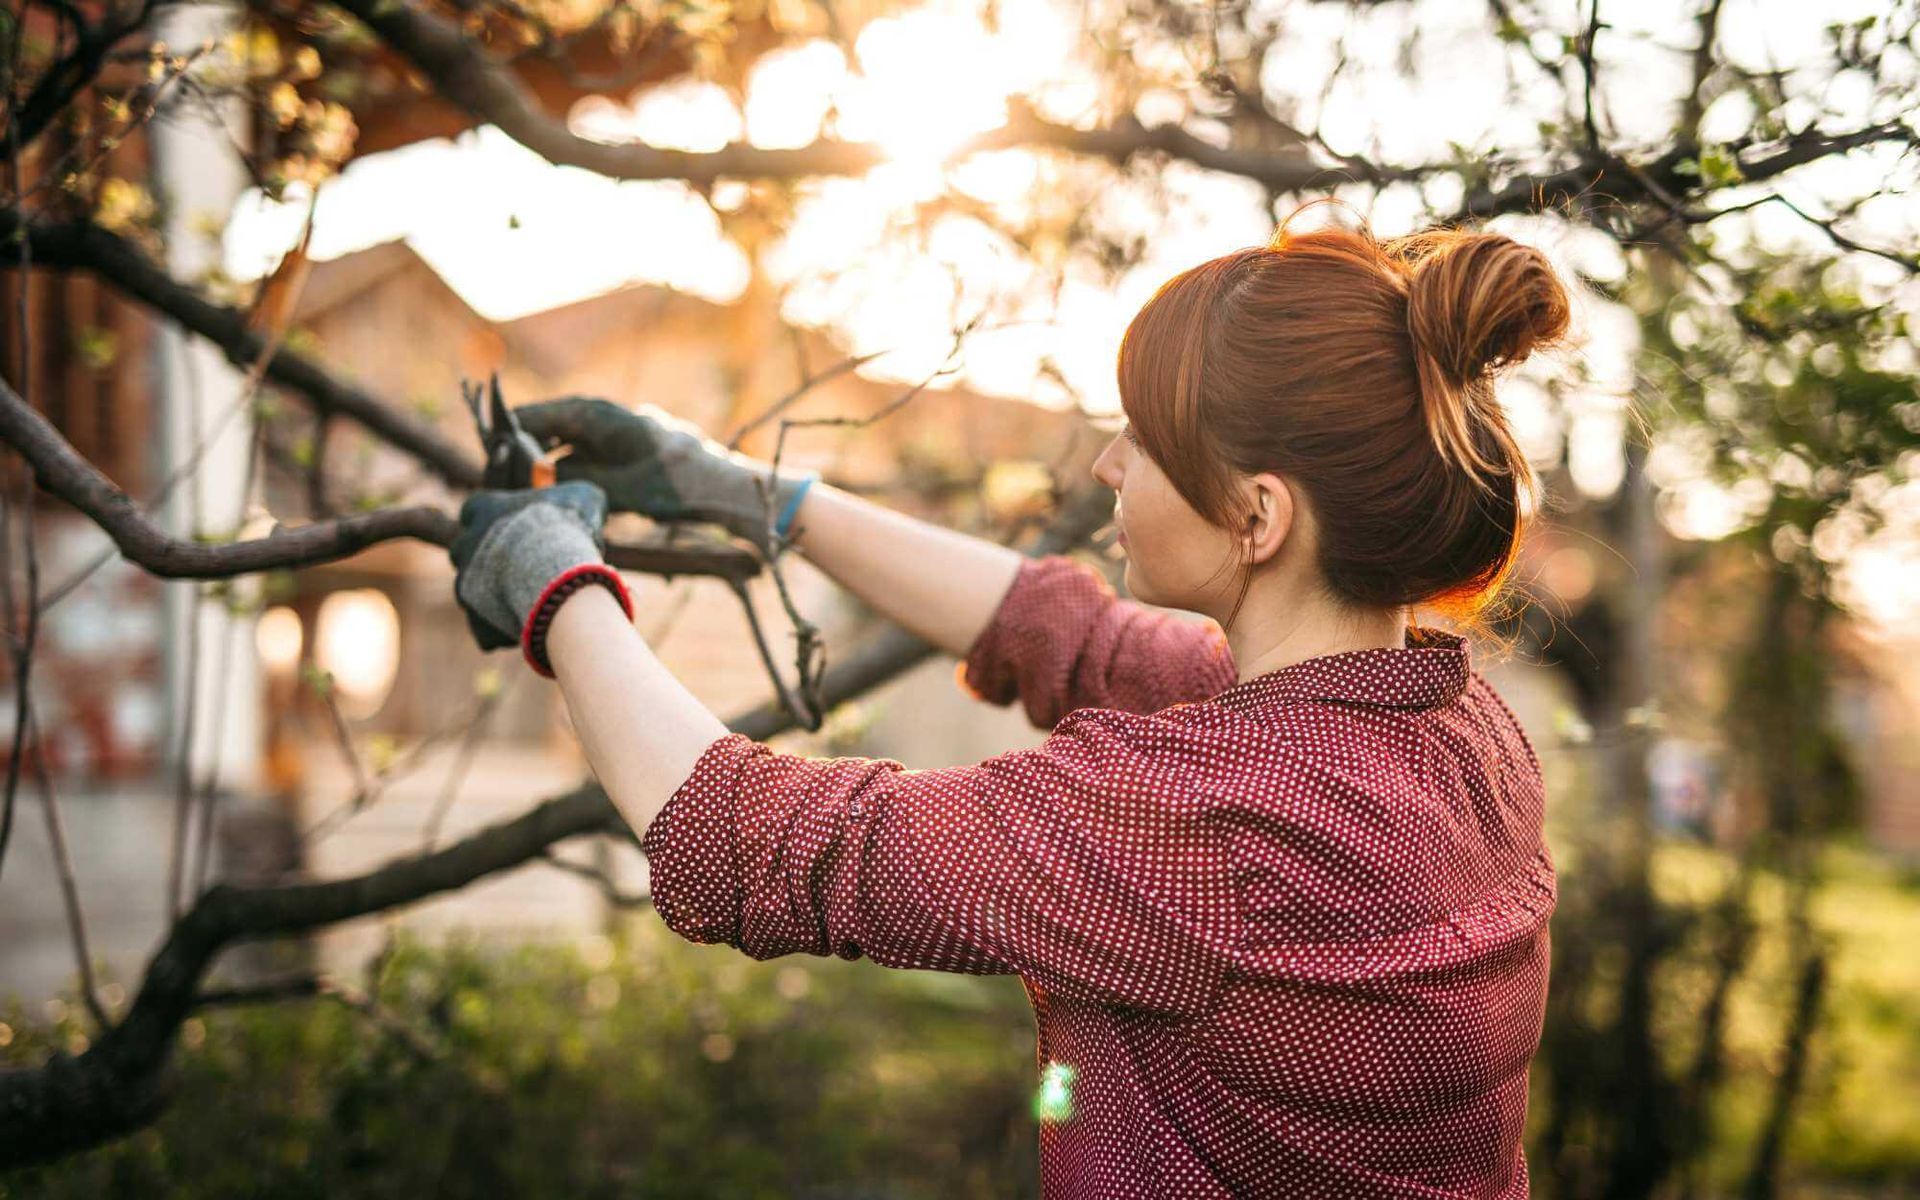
(513, 234)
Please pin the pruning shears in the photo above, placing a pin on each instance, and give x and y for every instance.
(515, 460)
(514, 457)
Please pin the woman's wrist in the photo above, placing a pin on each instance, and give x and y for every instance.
(591, 575)
(583, 619)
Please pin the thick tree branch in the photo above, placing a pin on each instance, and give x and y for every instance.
(462, 73)
(64, 473)
(1293, 169)
(465, 75)
(122, 265)
(123, 1080)
(1614, 180)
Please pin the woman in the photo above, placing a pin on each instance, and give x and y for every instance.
(1279, 897)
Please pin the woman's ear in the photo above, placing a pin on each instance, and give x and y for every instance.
(1272, 517)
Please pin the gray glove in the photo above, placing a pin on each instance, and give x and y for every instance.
(651, 462)
(519, 551)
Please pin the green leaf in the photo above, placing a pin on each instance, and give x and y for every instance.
(98, 348)
(1719, 168)
(317, 681)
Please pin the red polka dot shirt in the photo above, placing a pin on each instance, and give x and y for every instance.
(1286, 937)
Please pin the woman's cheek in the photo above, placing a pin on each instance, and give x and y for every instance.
(1149, 555)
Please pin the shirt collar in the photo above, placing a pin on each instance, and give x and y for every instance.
(1431, 670)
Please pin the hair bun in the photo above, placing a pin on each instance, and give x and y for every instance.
(1477, 302)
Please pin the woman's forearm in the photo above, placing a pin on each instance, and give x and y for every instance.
(640, 727)
(643, 731)
(938, 583)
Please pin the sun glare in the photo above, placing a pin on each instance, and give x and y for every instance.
(921, 83)
(928, 81)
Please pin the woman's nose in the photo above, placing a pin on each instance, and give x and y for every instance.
(1106, 468)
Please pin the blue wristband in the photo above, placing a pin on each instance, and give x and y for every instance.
(793, 505)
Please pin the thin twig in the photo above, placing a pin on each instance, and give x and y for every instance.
(160, 495)
(1587, 71)
(803, 701)
(190, 702)
(69, 886)
(600, 879)
(22, 647)
(807, 384)
(369, 787)
(348, 996)
(462, 762)
(231, 630)
(299, 987)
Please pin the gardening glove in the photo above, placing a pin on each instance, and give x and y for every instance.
(651, 462)
(520, 553)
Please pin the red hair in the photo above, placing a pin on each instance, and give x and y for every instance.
(1361, 371)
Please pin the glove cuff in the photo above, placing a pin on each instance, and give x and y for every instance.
(533, 635)
(793, 491)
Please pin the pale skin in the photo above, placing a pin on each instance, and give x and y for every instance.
(643, 731)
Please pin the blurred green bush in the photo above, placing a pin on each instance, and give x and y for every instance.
(635, 1066)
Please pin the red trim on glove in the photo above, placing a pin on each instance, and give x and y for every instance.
(533, 636)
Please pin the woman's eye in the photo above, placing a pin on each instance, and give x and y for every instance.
(1128, 434)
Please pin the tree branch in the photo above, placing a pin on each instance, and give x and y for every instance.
(64, 473)
(70, 76)
(1612, 178)
(122, 1081)
(1695, 105)
(1587, 75)
(465, 75)
(122, 265)
(599, 879)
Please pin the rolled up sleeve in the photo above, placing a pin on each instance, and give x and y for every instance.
(1061, 640)
(1084, 864)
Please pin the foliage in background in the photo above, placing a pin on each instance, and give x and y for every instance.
(641, 1066)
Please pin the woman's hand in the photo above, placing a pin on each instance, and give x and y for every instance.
(651, 462)
(520, 553)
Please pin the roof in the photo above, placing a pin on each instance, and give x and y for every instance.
(548, 339)
(334, 281)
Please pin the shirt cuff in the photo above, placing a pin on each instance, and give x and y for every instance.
(986, 672)
(1052, 596)
(692, 845)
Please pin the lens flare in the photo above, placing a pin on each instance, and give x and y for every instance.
(1053, 1102)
